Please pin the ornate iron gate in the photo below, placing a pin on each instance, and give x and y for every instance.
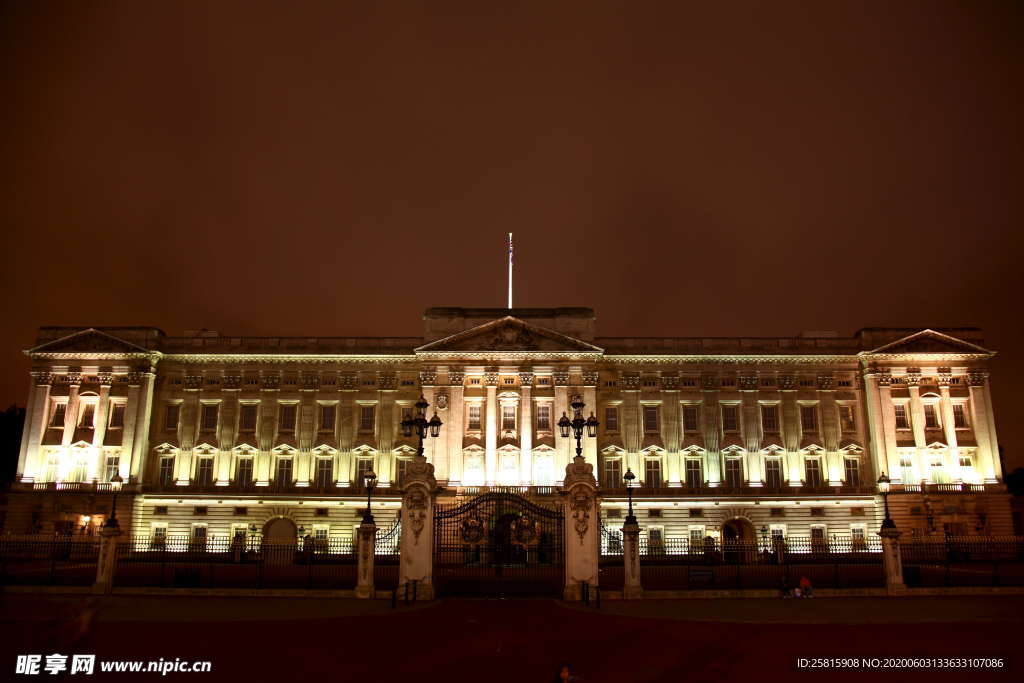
(499, 544)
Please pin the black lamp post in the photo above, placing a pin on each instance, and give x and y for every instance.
(115, 484)
(629, 477)
(883, 488)
(252, 535)
(419, 424)
(764, 536)
(371, 480)
(578, 423)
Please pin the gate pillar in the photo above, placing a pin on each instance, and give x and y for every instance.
(631, 587)
(366, 540)
(891, 561)
(582, 541)
(107, 563)
(416, 563)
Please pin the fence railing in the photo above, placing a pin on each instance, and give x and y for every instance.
(66, 561)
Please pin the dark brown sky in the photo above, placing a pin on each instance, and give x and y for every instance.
(683, 169)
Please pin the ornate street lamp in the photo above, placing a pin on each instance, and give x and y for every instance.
(578, 424)
(883, 488)
(419, 424)
(629, 477)
(371, 480)
(115, 485)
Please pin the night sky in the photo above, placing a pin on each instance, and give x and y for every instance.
(686, 169)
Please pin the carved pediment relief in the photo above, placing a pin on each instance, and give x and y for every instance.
(930, 341)
(508, 334)
(89, 340)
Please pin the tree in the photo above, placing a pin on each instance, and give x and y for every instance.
(12, 421)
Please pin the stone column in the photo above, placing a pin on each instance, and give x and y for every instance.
(711, 432)
(590, 399)
(632, 424)
(526, 428)
(387, 427)
(988, 456)
(71, 413)
(994, 472)
(346, 431)
(891, 561)
(632, 588)
(791, 429)
(417, 543)
(671, 429)
(491, 429)
(582, 533)
(890, 462)
(30, 468)
(563, 446)
(830, 430)
(751, 429)
(107, 562)
(952, 461)
(921, 465)
(267, 428)
(455, 428)
(366, 540)
(138, 412)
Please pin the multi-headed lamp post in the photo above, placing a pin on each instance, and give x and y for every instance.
(370, 480)
(418, 423)
(883, 488)
(577, 424)
(629, 477)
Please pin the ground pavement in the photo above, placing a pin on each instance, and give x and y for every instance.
(263, 639)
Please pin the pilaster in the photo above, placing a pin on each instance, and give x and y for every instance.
(526, 428)
(491, 429)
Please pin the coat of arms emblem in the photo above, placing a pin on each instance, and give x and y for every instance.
(472, 530)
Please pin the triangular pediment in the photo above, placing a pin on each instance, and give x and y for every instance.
(89, 340)
(508, 334)
(930, 341)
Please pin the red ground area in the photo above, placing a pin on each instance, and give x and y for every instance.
(522, 641)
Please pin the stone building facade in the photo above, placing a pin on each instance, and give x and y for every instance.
(216, 436)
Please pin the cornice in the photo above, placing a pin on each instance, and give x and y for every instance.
(460, 356)
(733, 358)
(153, 356)
(867, 356)
(273, 359)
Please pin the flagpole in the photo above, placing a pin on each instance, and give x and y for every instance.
(510, 270)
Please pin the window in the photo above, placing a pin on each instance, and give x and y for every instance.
(965, 462)
(322, 512)
(110, 467)
(158, 540)
(160, 510)
(209, 419)
(287, 418)
(116, 415)
(654, 539)
(650, 418)
(733, 472)
(653, 512)
(730, 418)
(473, 420)
(770, 418)
(851, 469)
(363, 467)
(652, 474)
(324, 472)
(544, 381)
(327, 414)
(817, 512)
(243, 474)
(858, 538)
(198, 541)
(508, 380)
(696, 512)
(938, 473)
(848, 418)
(247, 420)
(85, 420)
(171, 416)
(241, 512)
(613, 473)
(959, 416)
(773, 473)
(902, 421)
(166, 473)
(401, 469)
(321, 533)
(778, 532)
(690, 419)
(611, 418)
(284, 471)
(204, 471)
(59, 411)
(809, 418)
(931, 417)
(778, 512)
(696, 538)
(812, 472)
(907, 469)
(694, 474)
(508, 417)
(543, 417)
(366, 418)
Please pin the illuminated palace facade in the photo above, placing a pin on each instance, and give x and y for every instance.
(728, 437)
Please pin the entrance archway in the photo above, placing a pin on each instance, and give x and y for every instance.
(738, 541)
(280, 531)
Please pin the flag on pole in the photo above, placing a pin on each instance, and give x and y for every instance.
(510, 270)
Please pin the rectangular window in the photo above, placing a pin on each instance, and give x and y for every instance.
(848, 418)
(284, 471)
(110, 467)
(959, 416)
(363, 467)
(116, 415)
(931, 417)
(324, 472)
(650, 419)
(733, 472)
(613, 473)
(366, 418)
(694, 474)
(730, 418)
(508, 418)
(965, 462)
(773, 473)
(902, 421)
(652, 474)
(696, 539)
(166, 474)
(907, 469)
(86, 418)
(243, 476)
(59, 411)
(543, 417)
(171, 416)
(812, 472)
(287, 418)
(690, 419)
(770, 418)
(327, 414)
(406, 414)
(209, 419)
(851, 468)
(809, 418)
(857, 536)
(158, 541)
(204, 471)
(198, 537)
(401, 469)
(611, 419)
(247, 420)
(473, 420)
